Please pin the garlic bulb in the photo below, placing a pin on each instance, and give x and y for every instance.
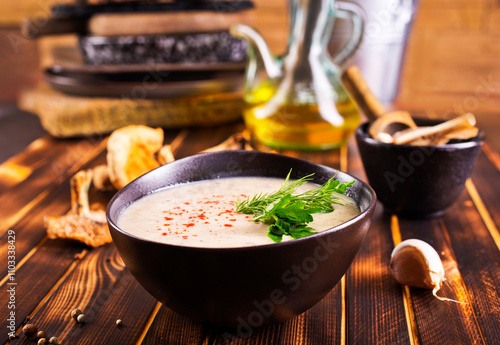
(415, 263)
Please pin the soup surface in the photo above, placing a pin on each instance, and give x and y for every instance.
(202, 214)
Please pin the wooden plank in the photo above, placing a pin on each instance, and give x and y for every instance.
(127, 301)
(478, 259)
(70, 157)
(32, 281)
(376, 308)
(30, 229)
(462, 37)
(486, 179)
(104, 290)
(34, 157)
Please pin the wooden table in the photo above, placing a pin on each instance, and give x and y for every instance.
(368, 306)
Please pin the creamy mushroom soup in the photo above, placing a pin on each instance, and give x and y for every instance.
(202, 214)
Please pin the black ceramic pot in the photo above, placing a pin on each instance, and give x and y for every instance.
(241, 288)
(417, 181)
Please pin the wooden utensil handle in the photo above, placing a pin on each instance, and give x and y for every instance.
(364, 97)
(53, 26)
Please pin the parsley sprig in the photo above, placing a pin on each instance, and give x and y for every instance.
(288, 213)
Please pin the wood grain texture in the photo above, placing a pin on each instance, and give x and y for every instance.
(376, 309)
(64, 159)
(128, 301)
(32, 281)
(30, 230)
(93, 287)
(478, 259)
(485, 170)
(449, 63)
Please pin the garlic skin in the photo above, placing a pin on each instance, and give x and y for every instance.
(415, 263)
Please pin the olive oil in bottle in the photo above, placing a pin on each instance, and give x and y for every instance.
(299, 126)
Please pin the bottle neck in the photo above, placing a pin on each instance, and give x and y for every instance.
(311, 23)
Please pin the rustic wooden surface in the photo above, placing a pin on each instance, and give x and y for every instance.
(368, 306)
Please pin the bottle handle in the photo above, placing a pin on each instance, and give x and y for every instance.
(348, 10)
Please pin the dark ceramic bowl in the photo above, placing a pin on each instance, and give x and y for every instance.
(247, 287)
(417, 181)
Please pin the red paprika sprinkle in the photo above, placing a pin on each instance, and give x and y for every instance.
(185, 237)
(164, 234)
(188, 225)
(229, 225)
(168, 218)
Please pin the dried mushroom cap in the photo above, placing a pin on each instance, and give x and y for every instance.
(81, 223)
(131, 152)
(89, 229)
(386, 125)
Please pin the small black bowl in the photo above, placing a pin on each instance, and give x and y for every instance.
(247, 287)
(417, 181)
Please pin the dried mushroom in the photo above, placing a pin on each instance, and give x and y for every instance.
(165, 155)
(80, 223)
(465, 121)
(384, 127)
(237, 141)
(131, 153)
(101, 178)
(399, 128)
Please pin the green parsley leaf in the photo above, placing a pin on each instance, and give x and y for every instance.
(288, 213)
